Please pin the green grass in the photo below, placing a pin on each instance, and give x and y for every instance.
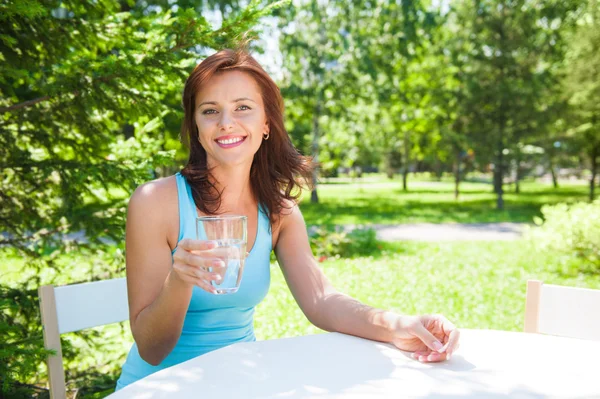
(475, 284)
(379, 200)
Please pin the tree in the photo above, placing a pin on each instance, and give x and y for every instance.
(82, 103)
(311, 48)
(514, 45)
(582, 84)
(387, 41)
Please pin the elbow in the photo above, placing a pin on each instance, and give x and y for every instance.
(154, 352)
(318, 318)
(323, 326)
(324, 313)
(151, 356)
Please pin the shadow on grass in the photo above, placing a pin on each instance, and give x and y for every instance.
(395, 206)
(387, 211)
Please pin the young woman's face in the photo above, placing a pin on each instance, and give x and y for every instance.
(231, 118)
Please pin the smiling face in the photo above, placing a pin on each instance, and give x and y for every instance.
(231, 118)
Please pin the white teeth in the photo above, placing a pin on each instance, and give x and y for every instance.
(230, 141)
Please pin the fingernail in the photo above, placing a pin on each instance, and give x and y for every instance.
(437, 345)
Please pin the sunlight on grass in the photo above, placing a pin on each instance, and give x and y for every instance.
(475, 284)
(384, 201)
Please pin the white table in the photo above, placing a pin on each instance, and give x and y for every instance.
(488, 364)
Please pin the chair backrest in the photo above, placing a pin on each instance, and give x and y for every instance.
(563, 311)
(76, 307)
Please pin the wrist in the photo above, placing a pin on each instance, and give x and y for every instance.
(175, 281)
(391, 322)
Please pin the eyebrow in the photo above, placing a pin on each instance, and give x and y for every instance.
(234, 101)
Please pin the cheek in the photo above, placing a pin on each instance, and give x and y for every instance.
(255, 123)
(204, 126)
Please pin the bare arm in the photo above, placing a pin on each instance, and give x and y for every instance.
(431, 338)
(323, 305)
(158, 299)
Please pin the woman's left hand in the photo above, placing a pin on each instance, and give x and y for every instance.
(431, 338)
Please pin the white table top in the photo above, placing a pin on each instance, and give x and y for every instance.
(488, 364)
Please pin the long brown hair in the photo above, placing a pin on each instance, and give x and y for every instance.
(278, 172)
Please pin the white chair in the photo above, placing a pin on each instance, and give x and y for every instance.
(563, 311)
(76, 307)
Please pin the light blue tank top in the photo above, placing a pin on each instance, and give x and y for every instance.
(212, 321)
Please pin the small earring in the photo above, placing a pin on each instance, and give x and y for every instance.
(266, 135)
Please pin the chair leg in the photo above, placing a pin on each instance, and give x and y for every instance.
(532, 306)
(56, 372)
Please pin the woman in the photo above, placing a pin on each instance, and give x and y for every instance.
(241, 162)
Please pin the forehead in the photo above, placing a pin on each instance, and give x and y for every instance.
(227, 86)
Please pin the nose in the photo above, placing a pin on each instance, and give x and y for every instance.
(227, 121)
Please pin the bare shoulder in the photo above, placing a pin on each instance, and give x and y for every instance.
(155, 192)
(156, 203)
(289, 218)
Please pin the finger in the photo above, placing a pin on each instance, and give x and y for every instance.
(191, 279)
(184, 256)
(429, 354)
(196, 245)
(206, 286)
(188, 258)
(224, 253)
(194, 273)
(428, 338)
(432, 357)
(452, 344)
(451, 333)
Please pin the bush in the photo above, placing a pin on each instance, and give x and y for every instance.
(328, 241)
(573, 230)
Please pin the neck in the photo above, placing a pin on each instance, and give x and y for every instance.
(234, 184)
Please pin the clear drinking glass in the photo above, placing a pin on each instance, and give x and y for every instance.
(230, 233)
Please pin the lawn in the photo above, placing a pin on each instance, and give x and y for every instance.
(379, 200)
(475, 284)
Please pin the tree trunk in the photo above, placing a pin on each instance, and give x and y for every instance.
(406, 162)
(314, 196)
(457, 163)
(518, 171)
(437, 168)
(595, 153)
(553, 173)
(498, 178)
(499, 168)
(389, 164)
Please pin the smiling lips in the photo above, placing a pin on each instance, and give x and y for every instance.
(230, 141)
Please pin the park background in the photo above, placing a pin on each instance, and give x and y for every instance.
(419, 113)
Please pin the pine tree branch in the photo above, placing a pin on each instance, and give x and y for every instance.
(24, 104)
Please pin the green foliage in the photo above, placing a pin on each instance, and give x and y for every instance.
(21, 351)
(572, 230)
(329, 241)
(582, 86)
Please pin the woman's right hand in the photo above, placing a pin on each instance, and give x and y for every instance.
(198, 262)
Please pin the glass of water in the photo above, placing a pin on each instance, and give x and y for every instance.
(230, 235)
